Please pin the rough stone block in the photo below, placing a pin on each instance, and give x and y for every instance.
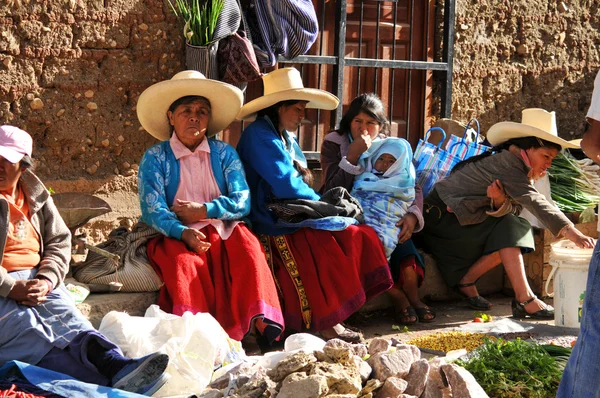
(96, 306)
(379, 344)
(462, 383)
(70, 74)
(393, 364)
(91, 34)
(298, 385)
(52, 35)
(392, 388)
(417, 377)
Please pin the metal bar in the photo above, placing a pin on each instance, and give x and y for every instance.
(393, 71)
(366, 62)
(320, 73)
(410, 57)
(427, 15)
(360, 34)
(309, 59)
(378, 23)
(449, 19)
(396, 64)
(340, 47)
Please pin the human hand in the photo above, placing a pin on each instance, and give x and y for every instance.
(30, 292)
(358, 147)
(189, 212)
(495, 191)
(194, 240)
(581, 240)
(407, 226)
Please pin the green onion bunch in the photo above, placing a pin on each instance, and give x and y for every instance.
(575, 185)
(199, 20)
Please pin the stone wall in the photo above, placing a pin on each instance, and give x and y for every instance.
(516, 54)
(71, 72)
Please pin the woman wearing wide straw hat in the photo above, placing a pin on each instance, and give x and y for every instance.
(193, 190)
(469, 234)
(324, 276)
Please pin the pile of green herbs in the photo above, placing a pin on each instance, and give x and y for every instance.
(574, 184)
(514, 369)
(199, 20)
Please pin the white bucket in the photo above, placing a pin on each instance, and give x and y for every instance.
(569, 268)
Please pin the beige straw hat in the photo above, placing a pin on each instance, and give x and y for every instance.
(286, 84)
(153, 104)
(535, 122)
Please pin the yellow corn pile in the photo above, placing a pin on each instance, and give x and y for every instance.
(448, 341)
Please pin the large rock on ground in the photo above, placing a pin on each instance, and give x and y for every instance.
(291, 364)
(392, 388)
(378, 345)
(417, 377)
(392, 364)
(462, 383)
(435, 386)
(341, 378)
(359, 349)
(299, 385)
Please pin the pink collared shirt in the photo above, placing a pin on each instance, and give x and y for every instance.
(197, 182)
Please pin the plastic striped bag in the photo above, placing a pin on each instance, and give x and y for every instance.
(465, 147)
(432, 163)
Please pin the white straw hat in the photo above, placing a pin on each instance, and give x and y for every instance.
(535, 122)
(286, 84)
(153, 104)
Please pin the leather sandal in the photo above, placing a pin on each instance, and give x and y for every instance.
(519, 311)
(475, 302)
(422, 312)
(406, 316)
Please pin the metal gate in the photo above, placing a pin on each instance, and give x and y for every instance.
(386, 47)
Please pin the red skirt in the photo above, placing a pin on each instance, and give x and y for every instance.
(329, 274)
(231, 281)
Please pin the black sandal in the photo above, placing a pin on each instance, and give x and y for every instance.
(519, 311)
(405, 315)
(475, 302)
(422, 312)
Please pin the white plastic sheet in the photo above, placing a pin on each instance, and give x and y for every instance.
(196, 345)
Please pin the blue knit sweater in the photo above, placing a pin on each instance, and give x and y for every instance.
(158, 180)
(270, 172)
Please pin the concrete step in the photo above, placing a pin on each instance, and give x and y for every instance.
(97, 305)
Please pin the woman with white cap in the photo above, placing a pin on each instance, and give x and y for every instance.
(324, 276)
(40, 324)
(469, 234)
(193, 190)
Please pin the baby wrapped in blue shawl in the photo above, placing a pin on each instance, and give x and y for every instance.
(386, 188)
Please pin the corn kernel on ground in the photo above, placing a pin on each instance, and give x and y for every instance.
(448, 341)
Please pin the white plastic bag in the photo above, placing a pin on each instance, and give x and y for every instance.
(196, 344)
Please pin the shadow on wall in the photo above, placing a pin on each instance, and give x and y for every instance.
(568, 94)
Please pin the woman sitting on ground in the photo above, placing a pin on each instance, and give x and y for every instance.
(193, 190)
(469, 234)
(324, 276)
(40, 323)
(364, 122)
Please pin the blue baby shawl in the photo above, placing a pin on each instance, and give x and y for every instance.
(385, 198)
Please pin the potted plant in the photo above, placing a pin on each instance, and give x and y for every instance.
(199, 20)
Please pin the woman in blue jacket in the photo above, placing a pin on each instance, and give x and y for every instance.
(193, 190)
(324, 276)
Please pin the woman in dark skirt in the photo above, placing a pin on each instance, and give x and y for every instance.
(471, 217)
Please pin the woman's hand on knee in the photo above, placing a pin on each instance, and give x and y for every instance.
(188, 212)
(29, 292)
(194, 240)
(578, 238)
